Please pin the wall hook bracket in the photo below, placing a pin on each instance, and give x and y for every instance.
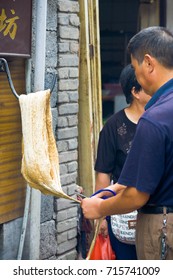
(4, 68)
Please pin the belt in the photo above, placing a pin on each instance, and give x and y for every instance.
(151, 209)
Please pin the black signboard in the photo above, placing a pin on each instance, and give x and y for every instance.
(15, 27)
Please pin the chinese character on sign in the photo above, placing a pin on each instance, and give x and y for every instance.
(15, 27)
(8, 25)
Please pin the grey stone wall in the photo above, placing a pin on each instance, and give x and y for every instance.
(59, 216)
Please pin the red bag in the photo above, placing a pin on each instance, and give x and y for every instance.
(102, 249)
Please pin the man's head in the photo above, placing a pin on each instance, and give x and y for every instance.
(155, 41)
(151, 53)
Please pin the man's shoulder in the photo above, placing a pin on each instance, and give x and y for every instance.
(161, 109)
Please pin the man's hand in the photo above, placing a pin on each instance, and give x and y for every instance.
(126, 201)
(91, 207)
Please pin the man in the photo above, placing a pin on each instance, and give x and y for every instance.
(114, 144)
(146, 181)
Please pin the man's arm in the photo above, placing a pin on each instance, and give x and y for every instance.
(125, 201)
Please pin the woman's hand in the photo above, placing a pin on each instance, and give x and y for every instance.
(118, 188)
(103, 230)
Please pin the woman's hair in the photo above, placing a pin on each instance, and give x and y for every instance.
(156, 41)
(128, 81)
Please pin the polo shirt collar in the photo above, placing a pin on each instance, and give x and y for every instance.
(162, 90)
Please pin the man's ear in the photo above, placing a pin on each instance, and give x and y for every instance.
(149, 63)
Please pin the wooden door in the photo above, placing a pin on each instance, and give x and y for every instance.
(12, 184)
(149, 14)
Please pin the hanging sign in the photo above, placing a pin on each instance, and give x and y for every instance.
(15, 27)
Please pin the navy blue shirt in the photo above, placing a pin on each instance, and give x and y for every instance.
(149, 164)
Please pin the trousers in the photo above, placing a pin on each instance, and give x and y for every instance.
(149, 236)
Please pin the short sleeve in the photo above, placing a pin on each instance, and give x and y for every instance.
(144, 165)
(106, 151)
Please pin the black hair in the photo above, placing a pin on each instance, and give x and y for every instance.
(156, 41)
(128, 81)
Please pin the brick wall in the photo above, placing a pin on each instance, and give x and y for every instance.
(58, 216)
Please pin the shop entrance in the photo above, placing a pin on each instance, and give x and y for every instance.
(119, 21)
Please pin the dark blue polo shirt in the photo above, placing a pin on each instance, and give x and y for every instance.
(149, 164)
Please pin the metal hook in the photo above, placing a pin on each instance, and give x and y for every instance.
(4, 68)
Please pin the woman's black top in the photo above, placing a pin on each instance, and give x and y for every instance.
(115, 141)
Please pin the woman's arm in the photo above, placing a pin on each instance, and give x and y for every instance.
(102, 180)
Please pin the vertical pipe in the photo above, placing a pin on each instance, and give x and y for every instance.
(41, 16)
(28, 189)
(24, 223)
